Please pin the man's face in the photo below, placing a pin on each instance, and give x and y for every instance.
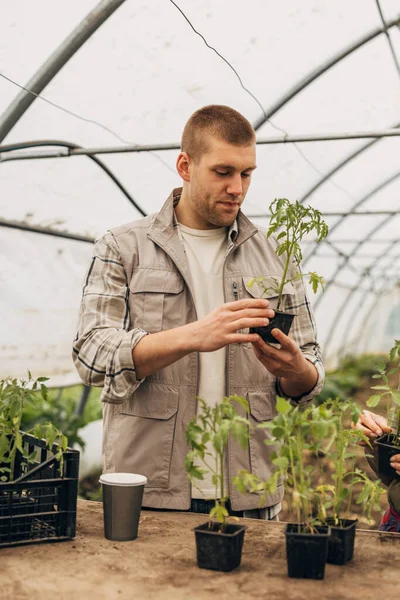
(219, 183)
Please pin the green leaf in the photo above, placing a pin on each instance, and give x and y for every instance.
(283, 406)
(380, 387)
(282, 462)
(373, 400)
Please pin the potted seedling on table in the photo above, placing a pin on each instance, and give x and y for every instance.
(31, 511)
(306, 539)
(337, 456)
(388, 444)
(290, 222)
(219, 541)
(322, 497)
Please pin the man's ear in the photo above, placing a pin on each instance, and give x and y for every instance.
(183, 166)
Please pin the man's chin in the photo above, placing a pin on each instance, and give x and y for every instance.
(228, 217)
(226, 222)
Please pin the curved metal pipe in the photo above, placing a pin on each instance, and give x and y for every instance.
(45, 231)
(341, 164)
(378, 188)
(372, 308)
(55, 62)
(392, 50)
(359, 307)
(361, 337)
(340, 311)
(98, 161)
(313, 75)
(354, 251)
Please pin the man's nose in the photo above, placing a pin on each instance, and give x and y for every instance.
(235, 187)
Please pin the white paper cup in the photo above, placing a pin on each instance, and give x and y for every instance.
(122, 503)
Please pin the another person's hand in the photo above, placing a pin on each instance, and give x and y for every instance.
(372, 425)
(395, 463)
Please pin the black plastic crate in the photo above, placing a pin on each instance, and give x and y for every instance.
(39, 505)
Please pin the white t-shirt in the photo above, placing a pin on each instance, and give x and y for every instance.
(205, 252)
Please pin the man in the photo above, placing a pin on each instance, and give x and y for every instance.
(165, 318)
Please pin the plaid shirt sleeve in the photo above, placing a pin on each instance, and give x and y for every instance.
(304, 333)
(102, 349)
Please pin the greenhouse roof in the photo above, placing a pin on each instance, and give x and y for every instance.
(93, 100)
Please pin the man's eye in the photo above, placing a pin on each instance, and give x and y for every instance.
(222, 173)
(245, 175)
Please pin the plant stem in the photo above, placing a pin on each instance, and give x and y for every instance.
(398, 425)
(304, 501)
(16, 426)
(339, 471)
(285, 270)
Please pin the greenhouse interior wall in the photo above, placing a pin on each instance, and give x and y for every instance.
(320, 70)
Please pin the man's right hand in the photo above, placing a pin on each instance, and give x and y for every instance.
(216, 330)
(220, 327)
(372, 425)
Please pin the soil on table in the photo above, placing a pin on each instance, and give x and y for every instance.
(161, 565)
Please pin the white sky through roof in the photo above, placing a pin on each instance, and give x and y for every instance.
(142, 74)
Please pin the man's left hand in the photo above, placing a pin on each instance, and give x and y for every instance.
(297, 374)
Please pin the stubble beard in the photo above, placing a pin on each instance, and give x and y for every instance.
(207, 208)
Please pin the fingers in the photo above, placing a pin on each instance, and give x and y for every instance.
(381, 422)
(285, 341)
(251, 317)
(286, 344)
(371, 425)
(395, 463)
(247, 303)
(242, 338)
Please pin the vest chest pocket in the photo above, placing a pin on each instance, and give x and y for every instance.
(156, 299)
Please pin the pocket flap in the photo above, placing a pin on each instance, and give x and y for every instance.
(156, 280)
(261, 405)
(153, 401)
(266, 289)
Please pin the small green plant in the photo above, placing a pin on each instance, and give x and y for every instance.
(207, 434)
(323, 432)
(341, 449)
(15, 394)
(349, 376)
(386, 392)
(290, 431)
(362, 365)
(59, 407)
(292, 221)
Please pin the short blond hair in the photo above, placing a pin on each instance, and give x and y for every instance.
(219, 121)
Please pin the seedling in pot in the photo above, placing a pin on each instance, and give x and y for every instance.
(340, 476)
(32, 495)
(219, 541)
(389, 443)
(15, 394)
(306, 540)
(291, 222)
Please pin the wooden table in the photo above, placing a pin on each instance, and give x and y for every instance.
(161, 564)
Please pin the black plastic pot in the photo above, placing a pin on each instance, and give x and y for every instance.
(386, 449)
(220, 551)
(341, 541)
(306, 552)
(281, 320)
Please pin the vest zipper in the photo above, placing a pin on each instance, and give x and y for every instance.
(235, 290)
